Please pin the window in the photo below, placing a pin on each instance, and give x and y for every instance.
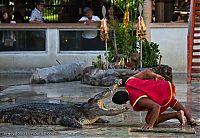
(163, 10)
(22, 40)
(75, 41)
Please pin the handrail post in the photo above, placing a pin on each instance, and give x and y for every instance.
(190, 39)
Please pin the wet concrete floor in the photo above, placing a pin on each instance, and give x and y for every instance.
(188, 94)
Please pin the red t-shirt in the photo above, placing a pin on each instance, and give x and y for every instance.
(160, 91)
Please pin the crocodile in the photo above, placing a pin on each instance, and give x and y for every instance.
(73, 115)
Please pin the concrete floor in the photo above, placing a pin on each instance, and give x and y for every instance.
(188, 94)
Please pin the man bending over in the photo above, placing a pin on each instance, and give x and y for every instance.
(154, 96)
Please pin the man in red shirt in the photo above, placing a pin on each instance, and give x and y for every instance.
(152, 95)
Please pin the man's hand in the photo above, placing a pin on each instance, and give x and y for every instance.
(147, 126)
(88, 22)
(159, 77)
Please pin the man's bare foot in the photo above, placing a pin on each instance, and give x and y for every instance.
(181, 118)
(194, 122)
(191, 121)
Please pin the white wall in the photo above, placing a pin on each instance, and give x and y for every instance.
(172, 45)
(171, 37)
(27, 61)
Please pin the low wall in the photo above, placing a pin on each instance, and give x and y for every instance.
(171, 37)
(172, 40)
(27, 61)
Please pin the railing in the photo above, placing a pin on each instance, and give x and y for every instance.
(55, 11)
(190, 38)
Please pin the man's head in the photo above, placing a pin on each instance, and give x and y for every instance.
(40, 5)
(5, 15)
(120, 97)
(88, 12)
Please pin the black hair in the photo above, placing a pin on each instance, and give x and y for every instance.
(39, 1)
(175, 16)
(120, 97)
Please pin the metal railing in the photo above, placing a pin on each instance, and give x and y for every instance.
(54, 11)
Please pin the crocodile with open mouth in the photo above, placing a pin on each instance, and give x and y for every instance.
(70, 114)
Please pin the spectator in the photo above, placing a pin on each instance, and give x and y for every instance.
(36, 14)
(88, 17)
(19, 12)
(8, 37)
(177, 17)
(38, 37)
(7, 17)
(90, 38)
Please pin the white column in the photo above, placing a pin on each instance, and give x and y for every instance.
(147, 14)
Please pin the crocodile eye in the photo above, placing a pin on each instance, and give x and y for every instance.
(82, 121)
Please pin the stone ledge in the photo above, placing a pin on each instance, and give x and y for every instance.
(99, 77)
